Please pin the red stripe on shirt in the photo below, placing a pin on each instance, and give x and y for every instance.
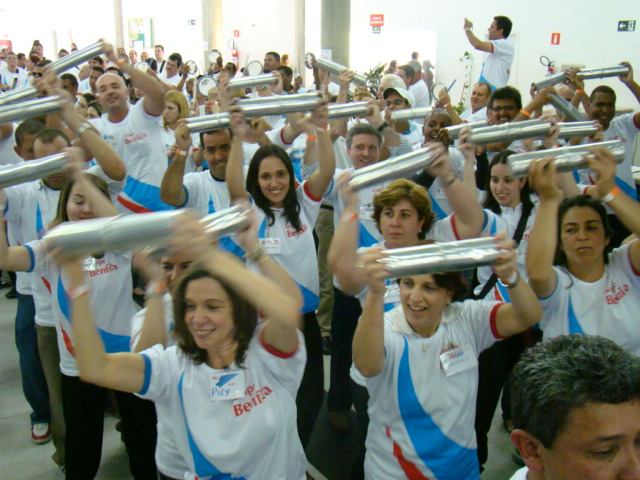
(273, 351)
(453, 226)
(492, 321)
(409, 469)
(67, 341)
(134, 207)
(282, 138)
(492, 49)
(46, 283)
(309, 194)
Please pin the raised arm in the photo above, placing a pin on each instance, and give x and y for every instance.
(391, 137)
(235, 173)
(469, 216)
(153, 92)
(318, 123)
(13, 259)
(524, 310)
(626, 209)
(475, 41)
(342, 256)
(368, 340)
(171, 191)
(541, 248)
(631, 83)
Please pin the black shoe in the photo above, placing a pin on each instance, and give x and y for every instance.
(11, 294)
(4, 285)
(326, 345)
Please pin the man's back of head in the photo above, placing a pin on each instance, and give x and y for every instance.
(575, 402)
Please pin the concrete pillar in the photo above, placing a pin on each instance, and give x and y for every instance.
(298, 52)
(211, 27)
(336, 21)
(120, 40)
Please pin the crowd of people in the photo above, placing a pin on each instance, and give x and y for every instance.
(212, 352)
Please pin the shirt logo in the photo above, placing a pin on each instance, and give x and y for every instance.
(256, 397)
(616, 293)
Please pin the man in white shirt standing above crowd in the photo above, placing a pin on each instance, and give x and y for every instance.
(11, 76)
(159, 53)
(496, 68)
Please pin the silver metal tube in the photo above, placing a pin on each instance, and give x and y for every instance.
(578, 129)
(31, 108)
(205, 123)
(409, 113)
(436, 248)
(341, 110)
(567, 158)
(278, 106)
(335, 68)
(454, 131)
(509, 132)
(550, 80)
(78, 57)
(114, 233)
(255, 81)
(591, 73)
(227, 221)
(19, 95)
(571, 112)
(394, 168)
(447, 260)
(33, 170)
(281, 98)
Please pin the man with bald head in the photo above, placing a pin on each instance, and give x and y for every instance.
(136, 134)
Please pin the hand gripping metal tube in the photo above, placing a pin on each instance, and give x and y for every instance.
(342, 110)
(454, 131)
(394, 168)
(205, 123)
(445, 257)
(227, 221)
(591, 73)
(333, 67)
(30, 109)
(550, 80)
(567, 158)
(33, 170)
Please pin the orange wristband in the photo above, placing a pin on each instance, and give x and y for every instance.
(311, 138)
(612, 194)
(525, 113)
(79, 291)
(580, 91)
(121, 62)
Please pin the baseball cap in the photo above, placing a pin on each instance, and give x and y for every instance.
(404, 93)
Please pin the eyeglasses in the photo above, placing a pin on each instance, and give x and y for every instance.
(395, 103)
(504, 108)
(37, 74)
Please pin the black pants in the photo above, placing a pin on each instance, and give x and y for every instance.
(311, 391)
(346, 311)
(164, 477)
(83, 405)
(494, 366)
(361, 402)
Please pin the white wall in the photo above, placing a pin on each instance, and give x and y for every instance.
(588, 35)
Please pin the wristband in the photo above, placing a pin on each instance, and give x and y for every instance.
(311, 138)
(182, 152)
(155, 289)
(468, 29)
(446, 105)
(79, 291)
(349, 218)
(382, 127)
(511, 282)
(611, 195)
(525, 113)
(580, 91)
(83, 128)
(256, 255)
(121, 62)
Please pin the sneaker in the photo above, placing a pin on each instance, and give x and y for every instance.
(326, 345)
(11, 294)
(61, 474)
(40, 433)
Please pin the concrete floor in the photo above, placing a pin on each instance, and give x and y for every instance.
(20, 459)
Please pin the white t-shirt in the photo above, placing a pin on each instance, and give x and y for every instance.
(439, 201)
(8, 155)
(295, 251)
(621, 128)
(274, 135)
(173, 81)
(607, 307)
(138, 141)
(250, 435)
(423, 99)
(508, 222)
(520, 474)
(416, 408)
(13, 79)
(479, 116)
(109, 279)
(169, 460)
(496, 68)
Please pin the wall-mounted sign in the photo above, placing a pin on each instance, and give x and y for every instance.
(376, 29)
(376, 19)
(141, 33)
(626, 25)
(236, 33)
(555, 38)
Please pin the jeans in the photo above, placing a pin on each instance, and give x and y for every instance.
(34, 383)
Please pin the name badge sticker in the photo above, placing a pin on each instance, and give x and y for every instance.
(272, 246)
(458, 359)
(227, 386)
(366, 211)
(89, 264)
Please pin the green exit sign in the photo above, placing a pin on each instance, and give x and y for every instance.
(626, 25)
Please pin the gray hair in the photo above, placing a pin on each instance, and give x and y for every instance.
(363, 128)
(554, 378)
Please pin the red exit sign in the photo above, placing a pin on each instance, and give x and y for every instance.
(555, 39)
(376, 19)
